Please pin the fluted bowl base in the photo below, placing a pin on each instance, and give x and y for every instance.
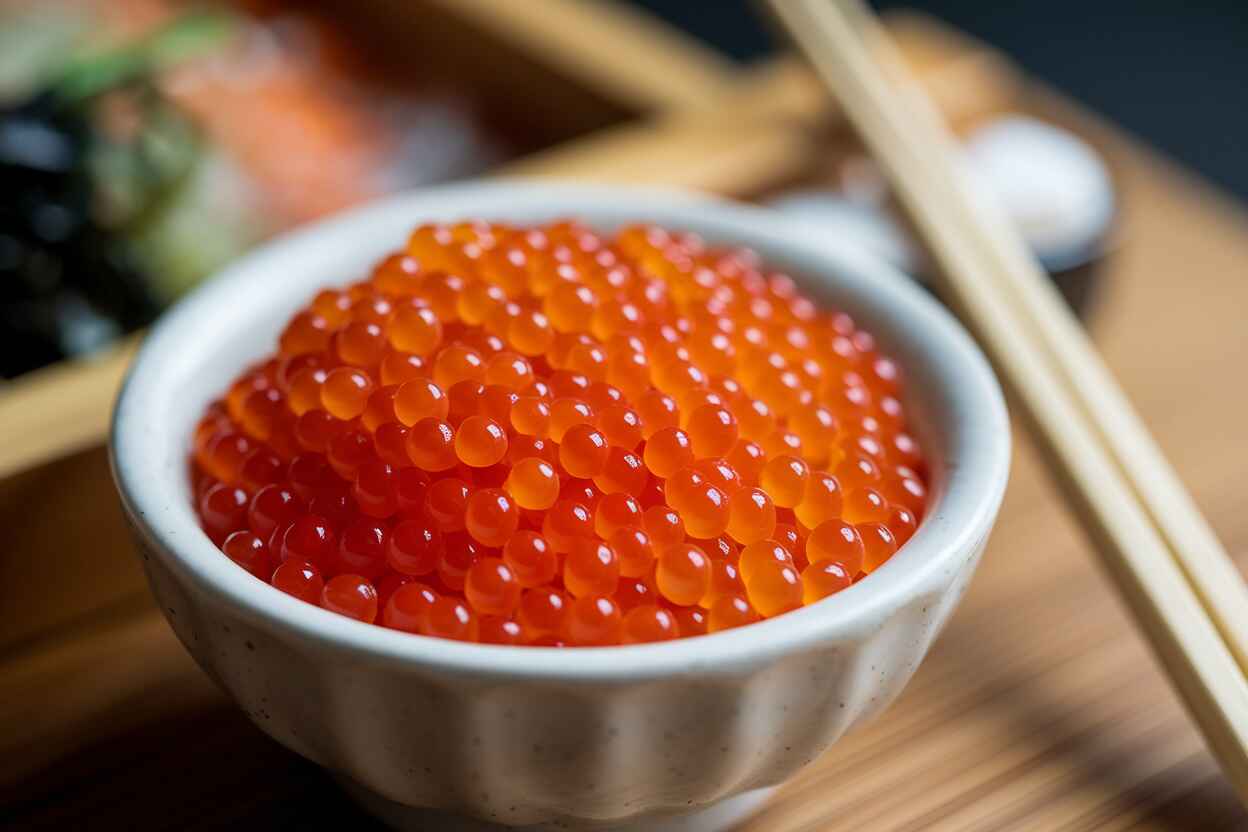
(714, 818)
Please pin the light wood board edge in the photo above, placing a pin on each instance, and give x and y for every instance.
(60, 409)
(622, 52)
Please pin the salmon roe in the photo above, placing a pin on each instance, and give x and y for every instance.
(550, 437)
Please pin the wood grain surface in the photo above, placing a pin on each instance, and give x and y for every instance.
(1038, 708)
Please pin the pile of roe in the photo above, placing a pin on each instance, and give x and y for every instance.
(548, 436)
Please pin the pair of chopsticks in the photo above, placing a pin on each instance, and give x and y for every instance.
(1178, 581)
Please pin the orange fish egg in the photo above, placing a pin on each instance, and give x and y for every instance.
(819, 580)
(491, 588)
(542, 610)
(566, 412)
(683, 574)
(667, 451)
(419, 399)
(621, 425)
(633, 548)
(592, 621)
(751, 516)
(623, 473)
(712, 430)
(615, 512)
(399, 367)
(583, 451)
(822, 500)
(838, 542)
(664, 526)
(647, 623)
(531, 558)
(431, 445)
(729, 611)
(345, 392)
(408, 608)
(774, 588)
(352, 596)
(480, 442)
(491, 517)
(591, 567)
(533, 483)
(360, 343)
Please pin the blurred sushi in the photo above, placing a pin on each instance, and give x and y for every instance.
(1055, 188)
(144, 143)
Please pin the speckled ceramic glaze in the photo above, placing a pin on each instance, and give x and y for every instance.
(541, 736)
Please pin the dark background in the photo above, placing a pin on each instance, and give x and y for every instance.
(1173, 72)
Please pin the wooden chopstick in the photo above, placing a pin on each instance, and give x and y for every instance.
(1194, 546)
(1055, 329)
(1146, 528)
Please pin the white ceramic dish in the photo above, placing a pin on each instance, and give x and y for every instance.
(540, 735)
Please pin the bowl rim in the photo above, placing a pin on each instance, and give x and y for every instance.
(963, 510)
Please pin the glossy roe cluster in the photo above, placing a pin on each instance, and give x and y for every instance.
(545, 436)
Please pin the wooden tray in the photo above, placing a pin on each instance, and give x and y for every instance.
(1038, 708)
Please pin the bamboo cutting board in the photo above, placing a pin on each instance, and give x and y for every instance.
(1038, 708)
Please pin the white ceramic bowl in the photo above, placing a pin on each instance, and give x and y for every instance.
(541, 735)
